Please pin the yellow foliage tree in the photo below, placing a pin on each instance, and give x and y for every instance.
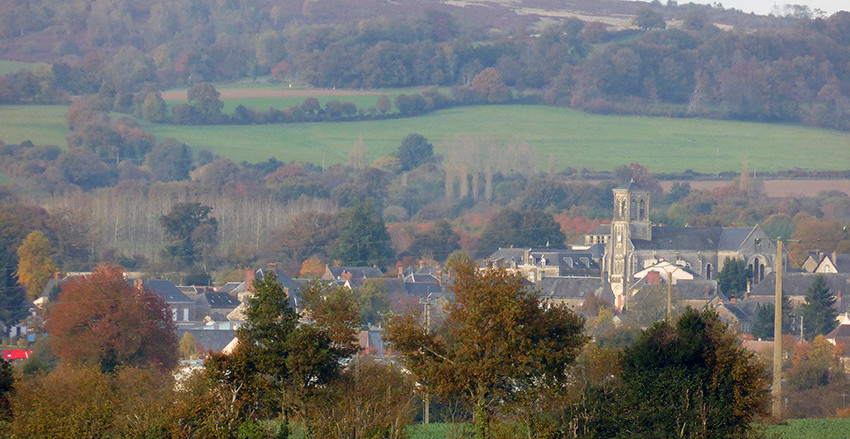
(35, 266)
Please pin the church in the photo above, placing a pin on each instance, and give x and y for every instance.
(633, 245)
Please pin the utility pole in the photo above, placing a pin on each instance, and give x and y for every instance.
(427, 302)
(669, 296)
(777, 336)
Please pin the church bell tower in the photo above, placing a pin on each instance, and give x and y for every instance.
(630, 221)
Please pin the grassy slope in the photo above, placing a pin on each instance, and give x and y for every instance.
(7, 67)
(573, 138)
(42, 124)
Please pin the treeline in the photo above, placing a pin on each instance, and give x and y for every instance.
(796, 72)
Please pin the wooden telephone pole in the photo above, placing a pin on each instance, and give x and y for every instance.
(427, 302)
(777, 336)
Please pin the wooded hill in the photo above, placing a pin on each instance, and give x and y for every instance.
(624, 58)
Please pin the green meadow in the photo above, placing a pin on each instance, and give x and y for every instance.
(40, 124)
(7, 67)
(571, 138)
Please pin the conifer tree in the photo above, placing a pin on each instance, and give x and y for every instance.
(819, 313)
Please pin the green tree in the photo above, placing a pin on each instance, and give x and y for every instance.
(689, 379)
(763, 320)
(102, 320)
(363, 237)
(35, 266)
(819, 312)
(153, 107)
(205, 99)
(647, 19)
(192, 231)
(297, 359)
(497, 342)
(374, 302)
(414, 151)
(732, 278)
(169, 160)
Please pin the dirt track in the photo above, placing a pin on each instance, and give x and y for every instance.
(271, 93)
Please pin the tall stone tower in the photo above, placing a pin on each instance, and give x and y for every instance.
(630, 221)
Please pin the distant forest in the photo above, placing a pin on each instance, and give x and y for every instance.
(674, 60)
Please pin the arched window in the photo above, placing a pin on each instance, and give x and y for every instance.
(761, 272)
(633, 209)
(708, 272)
(642, 212)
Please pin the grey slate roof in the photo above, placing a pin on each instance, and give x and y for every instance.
(220, 300)
(167, 291)
(422, 289)
(694, 238)
(357, 272)
(229, 287)
(211, 340)
(841, 262)
(559, 288)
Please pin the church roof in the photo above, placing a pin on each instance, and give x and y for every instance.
(694, 238)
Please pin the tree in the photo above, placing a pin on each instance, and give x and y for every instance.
(496, 342)
(489, 84)
(169, 160)
(363, 237)
(205, 99)
(647, 19)
(153, 107)
(762, 327)
(689, 379)
(35, 266)
(102, 320)
(732, 278)
(521, 229)
(383, 105)
(414, 151)
(188, 347)
(374, 302)
(298, 359)
(192, 231)
(819, 312)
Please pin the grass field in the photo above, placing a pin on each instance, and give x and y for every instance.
(811, 428)
(7, 67)
(572, 138)
(41, 124)
(792, 429)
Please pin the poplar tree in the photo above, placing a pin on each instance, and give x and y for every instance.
(35, 266)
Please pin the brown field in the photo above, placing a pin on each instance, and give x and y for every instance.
(778, 188)
(253, 93)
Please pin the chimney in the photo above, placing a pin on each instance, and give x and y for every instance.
(272, 266)
(748, 290)
(653, 278)
(138, 284)
(732, 300)
(249, 279)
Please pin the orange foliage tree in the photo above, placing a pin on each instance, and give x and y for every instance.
(100, 319)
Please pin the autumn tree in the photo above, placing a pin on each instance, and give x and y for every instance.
(35, 266)
(496, 342)
(819, 312)
(489, 84)
(188, 347)
(100, 319)
(169, 160)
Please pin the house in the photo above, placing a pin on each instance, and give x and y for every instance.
(834, 263)
(215, 305)
(182, 307)
(346, 273)
(538, 264)
(634, 244)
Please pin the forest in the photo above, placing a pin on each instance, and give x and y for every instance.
(683, 61)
